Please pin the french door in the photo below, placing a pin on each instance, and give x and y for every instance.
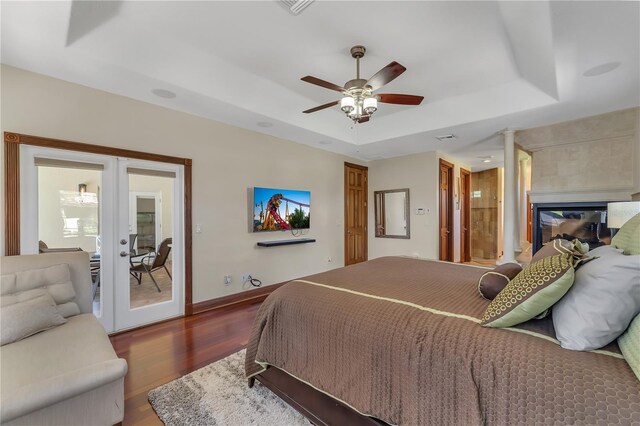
(78, 201)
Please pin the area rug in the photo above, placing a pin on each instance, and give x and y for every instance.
(218, 395)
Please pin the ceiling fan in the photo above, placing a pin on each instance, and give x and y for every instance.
(359, 102)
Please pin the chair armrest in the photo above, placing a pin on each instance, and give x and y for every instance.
(32, 397)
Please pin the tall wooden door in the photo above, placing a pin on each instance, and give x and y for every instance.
(355, 213)
(465, 215)
(446, 211)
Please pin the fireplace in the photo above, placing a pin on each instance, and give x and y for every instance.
(586, 221)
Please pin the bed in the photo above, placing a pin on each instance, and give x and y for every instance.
(397, 340)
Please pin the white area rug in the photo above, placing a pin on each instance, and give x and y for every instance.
(218, 395)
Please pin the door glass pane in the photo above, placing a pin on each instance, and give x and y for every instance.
(69, 216)
(150, 239)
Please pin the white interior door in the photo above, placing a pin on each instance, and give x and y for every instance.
(72, 200)
(67, 202)
(149, 280)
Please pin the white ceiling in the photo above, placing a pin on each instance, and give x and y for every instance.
(481, 66)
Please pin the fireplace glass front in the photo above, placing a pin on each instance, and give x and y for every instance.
(584, 221)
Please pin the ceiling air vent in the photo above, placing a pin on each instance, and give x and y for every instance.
(296, 6)
(446, 138)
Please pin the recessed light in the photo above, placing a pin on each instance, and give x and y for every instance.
(486, 161)
(443, 138)
(601, 69)
(265, 124)
(162, 93)
(325, 142)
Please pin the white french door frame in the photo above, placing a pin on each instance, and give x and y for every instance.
(116, 313)
(29, 214)
(127, 317)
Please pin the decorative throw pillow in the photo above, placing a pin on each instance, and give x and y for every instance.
(491, 283)
(575, 247)
(535, 289)
(628, 237)
(602, 302)
(604, 251)
(25, 285)
(27, 318)
(629, 344)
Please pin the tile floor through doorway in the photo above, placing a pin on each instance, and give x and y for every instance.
(145, 293)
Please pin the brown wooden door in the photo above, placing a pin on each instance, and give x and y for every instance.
(355, 213)
(465, 215)
(446, 211)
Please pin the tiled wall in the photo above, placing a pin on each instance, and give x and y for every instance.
(484, 214)
(590, 159)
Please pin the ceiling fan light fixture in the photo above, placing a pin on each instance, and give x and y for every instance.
(358, 101)
(370, 105)
(347, 104)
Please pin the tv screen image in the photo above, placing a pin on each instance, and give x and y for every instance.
(280, 209)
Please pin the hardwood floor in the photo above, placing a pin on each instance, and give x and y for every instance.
(160, 353)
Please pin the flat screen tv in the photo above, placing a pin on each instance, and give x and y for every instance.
(280, 209)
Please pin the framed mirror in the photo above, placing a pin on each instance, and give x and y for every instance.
(392, 213)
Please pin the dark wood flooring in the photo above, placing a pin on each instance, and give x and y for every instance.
(163, 352)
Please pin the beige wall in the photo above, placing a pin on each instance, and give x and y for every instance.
(226, 162)
(590, 159)
(420, 174)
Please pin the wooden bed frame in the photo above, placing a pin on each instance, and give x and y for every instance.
(319, 408)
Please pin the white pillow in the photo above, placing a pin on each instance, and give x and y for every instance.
(605, 297)
(604, 251)
(28, 317)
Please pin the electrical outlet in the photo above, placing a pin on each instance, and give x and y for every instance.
(246, 277)
(329, 259)
(227, 279)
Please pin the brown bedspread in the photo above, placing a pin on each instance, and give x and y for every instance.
(399, 339)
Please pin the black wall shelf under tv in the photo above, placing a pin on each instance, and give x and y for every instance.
(286, 242)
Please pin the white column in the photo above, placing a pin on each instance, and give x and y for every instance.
(523, 201)
(509, 199)
(516, 207)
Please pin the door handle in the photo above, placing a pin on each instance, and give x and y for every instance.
(123, 242)
(124, 253)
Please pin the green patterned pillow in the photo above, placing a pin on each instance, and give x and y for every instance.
(628, 237)
(538, 287)
(629, 344)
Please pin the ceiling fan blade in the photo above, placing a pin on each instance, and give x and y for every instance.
(318, 108)
(395, 98)
(322, 83)
(386, 75)
(363, 119)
